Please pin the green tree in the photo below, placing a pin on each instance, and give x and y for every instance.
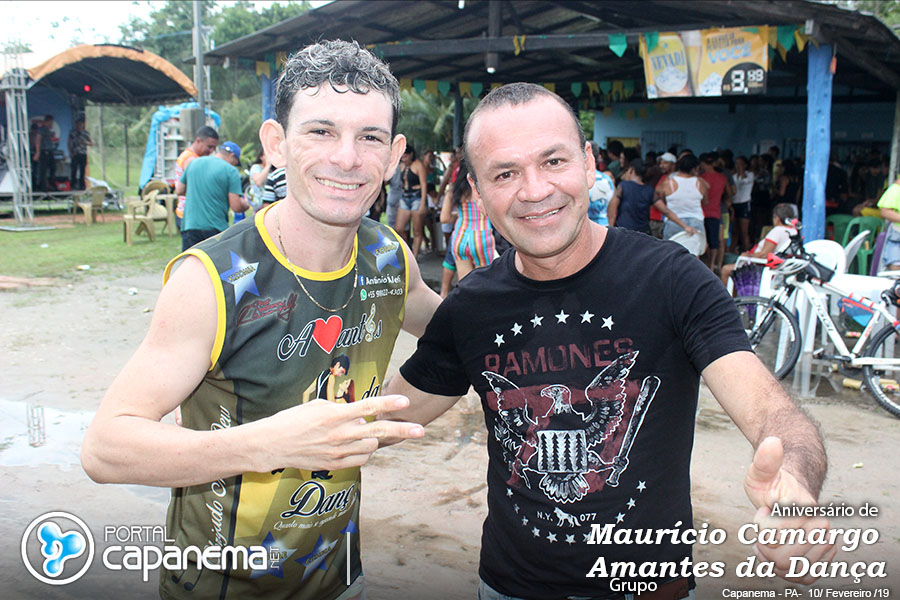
(427, 119)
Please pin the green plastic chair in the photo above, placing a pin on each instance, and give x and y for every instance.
(838, 225)
(859, 264)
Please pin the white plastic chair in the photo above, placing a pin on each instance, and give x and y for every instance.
(855, 244)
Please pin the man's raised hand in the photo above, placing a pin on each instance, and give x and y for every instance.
(767, 483)
(329, 436)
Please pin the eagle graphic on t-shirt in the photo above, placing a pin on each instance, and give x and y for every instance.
(568, 438)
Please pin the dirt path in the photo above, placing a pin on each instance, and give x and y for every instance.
(423, 502)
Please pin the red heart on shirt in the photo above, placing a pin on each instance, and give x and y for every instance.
(326, 332)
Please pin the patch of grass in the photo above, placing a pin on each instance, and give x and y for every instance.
(101, 246)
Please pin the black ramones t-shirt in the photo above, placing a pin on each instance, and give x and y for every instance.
(589, 386)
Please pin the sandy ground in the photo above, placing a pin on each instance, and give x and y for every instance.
(423, 502)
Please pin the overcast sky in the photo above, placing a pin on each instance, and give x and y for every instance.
(51, 27)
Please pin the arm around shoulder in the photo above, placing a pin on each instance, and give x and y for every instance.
(423, 407)
(421, 300)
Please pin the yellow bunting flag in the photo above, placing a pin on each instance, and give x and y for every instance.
(465, 89)
(593, 87)
(550, 86)
(495, 85)
(801, 39)
(618, 87)
(263, 68)
(518, 44)
(406, 84)
(431, 86)
(280, 58)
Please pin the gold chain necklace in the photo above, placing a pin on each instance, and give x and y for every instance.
(303, 287)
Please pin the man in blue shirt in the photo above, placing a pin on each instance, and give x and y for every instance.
(211, 185)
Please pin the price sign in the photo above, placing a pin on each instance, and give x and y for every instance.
(745, 78)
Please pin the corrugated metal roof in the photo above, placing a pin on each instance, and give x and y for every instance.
(869, 46)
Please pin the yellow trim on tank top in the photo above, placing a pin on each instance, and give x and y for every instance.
(217, 290)
(312, 275)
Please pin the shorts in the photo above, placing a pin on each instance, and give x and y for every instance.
(890, 252)
(742, 210)
(711, 225)
(411, 201)
(476, 245)
(449, 260)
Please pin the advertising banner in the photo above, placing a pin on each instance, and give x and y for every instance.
(711, 62)
(734, 62)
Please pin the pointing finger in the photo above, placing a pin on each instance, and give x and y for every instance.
(375, 405)
(391, 429)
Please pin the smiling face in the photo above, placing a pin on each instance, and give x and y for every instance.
(336, 150)
(533, 178)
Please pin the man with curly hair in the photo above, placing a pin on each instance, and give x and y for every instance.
(247, 320)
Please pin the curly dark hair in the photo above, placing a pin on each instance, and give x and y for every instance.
(345, 66)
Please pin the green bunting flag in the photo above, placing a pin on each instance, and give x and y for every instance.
(618, 43)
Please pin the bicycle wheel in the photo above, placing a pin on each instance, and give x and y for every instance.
(773, 332)
(881, 379)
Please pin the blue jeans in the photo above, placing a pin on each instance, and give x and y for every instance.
(670, 228)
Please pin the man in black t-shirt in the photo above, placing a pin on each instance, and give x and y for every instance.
(586, 345)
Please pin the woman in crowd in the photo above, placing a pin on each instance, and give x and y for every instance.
(414, 202)
(685, 195)
(472, 242)
(630, 205)
(743, 180)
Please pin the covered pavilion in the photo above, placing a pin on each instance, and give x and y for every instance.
(577, 48)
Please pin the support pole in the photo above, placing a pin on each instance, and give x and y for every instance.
(199, 79)
(895, 142)
(268, 97)
(818, 139)
(102, 149)
(127, 171)
(457, 119)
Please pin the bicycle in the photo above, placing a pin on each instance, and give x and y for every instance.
(775, 335)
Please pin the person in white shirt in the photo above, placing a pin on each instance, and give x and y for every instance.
(743, 180)
(775, 240)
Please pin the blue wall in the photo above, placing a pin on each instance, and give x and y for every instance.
(42, 101)
(711, 125)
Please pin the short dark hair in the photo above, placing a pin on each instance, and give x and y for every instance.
(687, 163)
(206, 132)
(410, 150)
(342, 360)
(513, 94)
(343, 65)
(615, 147)
(637, 165)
